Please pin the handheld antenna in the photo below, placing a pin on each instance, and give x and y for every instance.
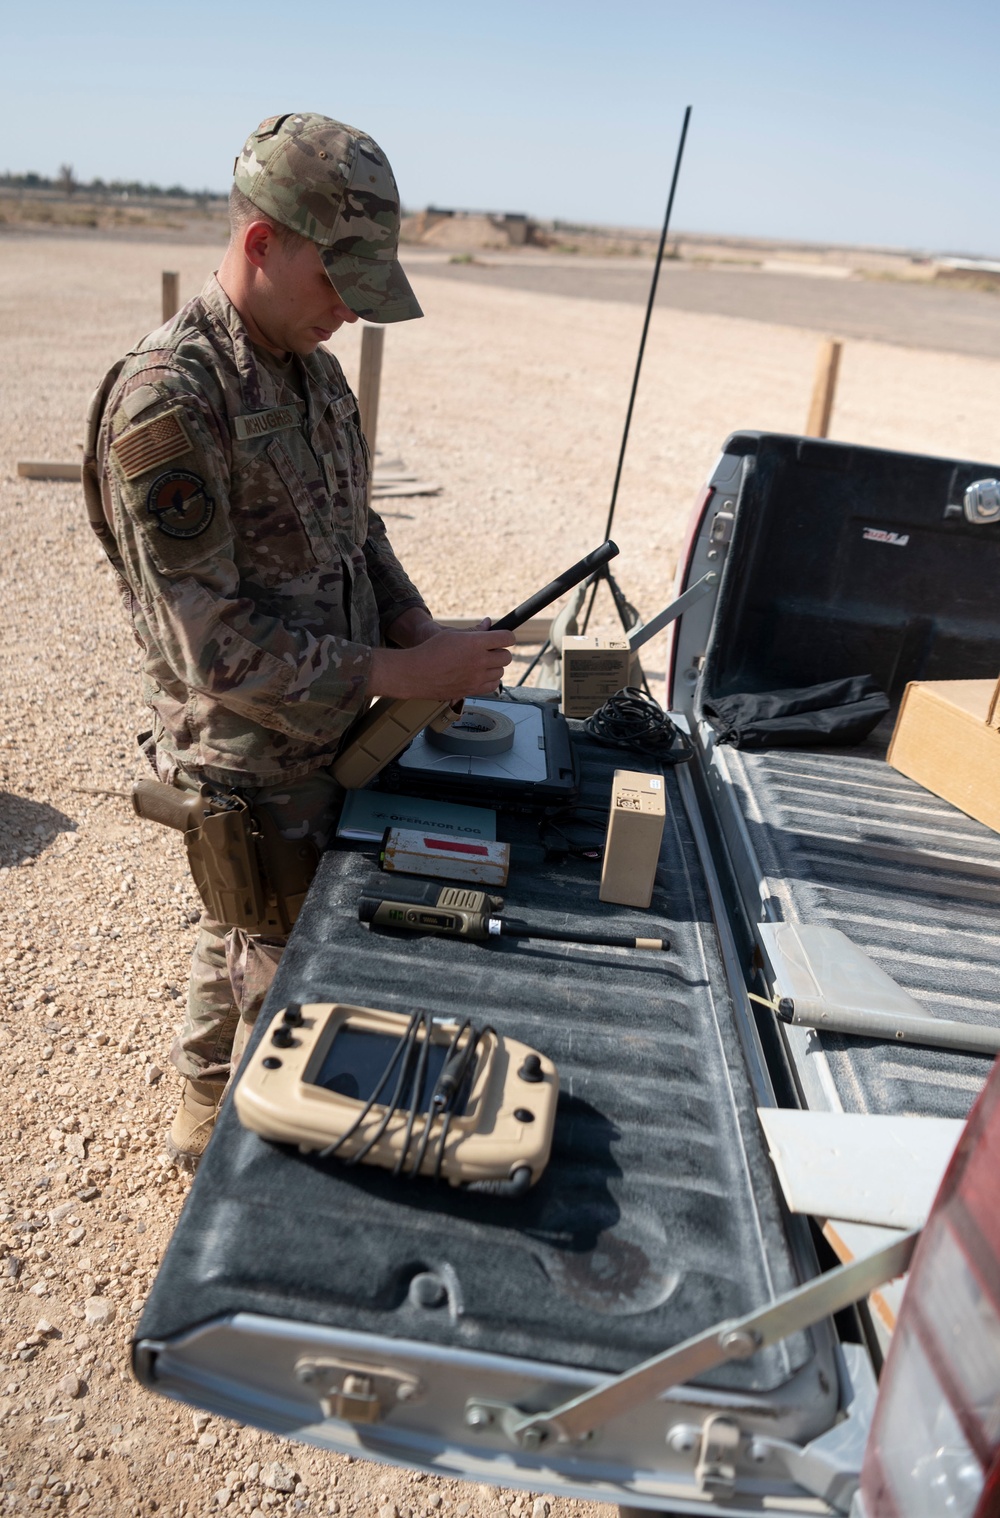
(603, 574)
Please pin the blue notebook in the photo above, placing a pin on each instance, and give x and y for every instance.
(366, 815)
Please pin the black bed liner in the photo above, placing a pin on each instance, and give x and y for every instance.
(838, 838)
(849, 560)
(846, 560)
(657, 1214)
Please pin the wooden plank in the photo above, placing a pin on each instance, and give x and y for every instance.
(48, 471)
(852, 1241)
(536, 630)
(369, 387)
(170, 281)
(824, 388)
(859, 1166)
(380, 492)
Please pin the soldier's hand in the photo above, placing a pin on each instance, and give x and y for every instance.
(444, 667)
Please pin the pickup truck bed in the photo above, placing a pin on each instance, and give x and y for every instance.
(836, 560)
(837, 838)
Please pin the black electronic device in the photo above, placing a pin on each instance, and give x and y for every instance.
(514, 755)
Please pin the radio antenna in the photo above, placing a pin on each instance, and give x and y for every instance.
(603, 573)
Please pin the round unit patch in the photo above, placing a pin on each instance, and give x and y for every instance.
(180, 503)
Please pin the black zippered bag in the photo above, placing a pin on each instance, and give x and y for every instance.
(839, 712)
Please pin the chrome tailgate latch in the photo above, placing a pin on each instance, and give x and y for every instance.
(715, 1468)
(356, 1392)
(721, 531)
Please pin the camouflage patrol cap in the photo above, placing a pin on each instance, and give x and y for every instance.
(332, 183)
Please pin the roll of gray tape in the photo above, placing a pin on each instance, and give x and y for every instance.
(478, 734)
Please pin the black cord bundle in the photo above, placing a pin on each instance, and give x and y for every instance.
(411, 1055)
(557, 840)
(631, 719)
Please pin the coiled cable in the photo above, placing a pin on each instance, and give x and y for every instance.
(631, 719)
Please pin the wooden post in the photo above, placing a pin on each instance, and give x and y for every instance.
(369, 381)
(369, 384)
(824, 388)
(171, 295)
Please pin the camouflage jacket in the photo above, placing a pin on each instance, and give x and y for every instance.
(256, 578)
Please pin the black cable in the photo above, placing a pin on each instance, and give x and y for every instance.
(415, 1091)
(369, 1104)
(412, 1053)
(514, 1185)
(557, 819)
(407, 1043)
(440, 1103)
(630, 719)
(457, 1076)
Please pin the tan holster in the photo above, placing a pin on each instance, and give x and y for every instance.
(247, 874)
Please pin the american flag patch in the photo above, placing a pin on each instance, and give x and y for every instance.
(144, 447)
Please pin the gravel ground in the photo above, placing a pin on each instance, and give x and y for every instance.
(514, 402)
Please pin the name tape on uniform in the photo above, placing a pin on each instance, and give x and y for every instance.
(259, 423)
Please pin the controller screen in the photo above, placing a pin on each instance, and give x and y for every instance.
(357, 1058)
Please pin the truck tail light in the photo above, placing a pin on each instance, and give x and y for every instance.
(695, 520)
(934, 1447)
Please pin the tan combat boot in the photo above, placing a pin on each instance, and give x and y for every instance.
(193, 1122)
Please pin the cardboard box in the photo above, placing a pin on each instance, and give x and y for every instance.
(632, 843)
(593, 670)
(947, 738)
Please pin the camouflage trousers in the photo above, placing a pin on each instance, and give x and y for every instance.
(231, 971)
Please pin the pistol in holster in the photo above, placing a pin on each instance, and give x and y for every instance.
(248, 876)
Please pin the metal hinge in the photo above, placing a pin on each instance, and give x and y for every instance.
(721, 530)
(356, 1392)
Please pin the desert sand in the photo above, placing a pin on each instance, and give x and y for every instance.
(513, 401)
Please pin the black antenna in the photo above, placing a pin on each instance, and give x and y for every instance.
(604, 574)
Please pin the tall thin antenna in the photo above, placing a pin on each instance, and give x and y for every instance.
(642, 349)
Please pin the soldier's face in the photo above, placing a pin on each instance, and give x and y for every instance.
(295, 307)
(301, 308)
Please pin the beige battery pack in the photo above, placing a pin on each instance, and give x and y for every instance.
(632, 844)
(318, 1079)
(593, 669)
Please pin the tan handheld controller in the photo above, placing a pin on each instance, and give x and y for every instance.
(314, 1080)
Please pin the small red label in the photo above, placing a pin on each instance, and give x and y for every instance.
(456, 846)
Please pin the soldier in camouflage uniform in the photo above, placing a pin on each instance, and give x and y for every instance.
(227, 478)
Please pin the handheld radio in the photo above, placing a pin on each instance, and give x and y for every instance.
(453, 911)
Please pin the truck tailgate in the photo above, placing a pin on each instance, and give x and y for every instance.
(657, 1215)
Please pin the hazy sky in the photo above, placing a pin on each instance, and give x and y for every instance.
(874, 122)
